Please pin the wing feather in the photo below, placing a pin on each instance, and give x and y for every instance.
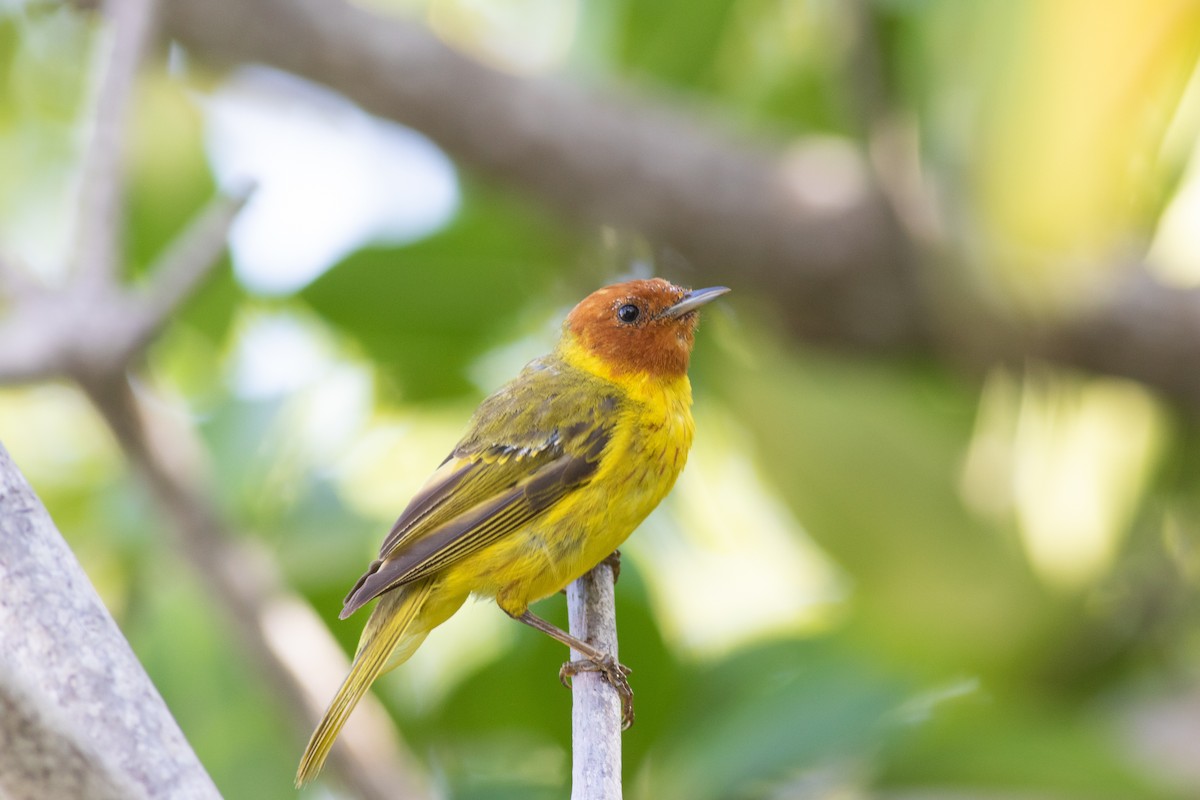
(510, 468)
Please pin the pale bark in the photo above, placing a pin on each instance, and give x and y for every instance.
(42, 756)
(93, 331)
(70, 683)
(596, 710)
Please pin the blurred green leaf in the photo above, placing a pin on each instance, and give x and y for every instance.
(673, 40)
(169, 183)
(424, 311)
(998, 745)
(204, 678)
(770, 712)
(868, 456)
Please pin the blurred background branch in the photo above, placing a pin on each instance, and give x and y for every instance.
(843, 267)
(279, 632)
(938, 533)
(606, 158)
(101, 205)
(93, 331)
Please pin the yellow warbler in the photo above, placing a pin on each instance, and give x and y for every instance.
(556, 470)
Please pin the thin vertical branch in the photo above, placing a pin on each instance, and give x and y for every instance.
(596, 712)
(185, 265)
(100, 211)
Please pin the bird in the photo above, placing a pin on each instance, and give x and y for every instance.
(557, 468)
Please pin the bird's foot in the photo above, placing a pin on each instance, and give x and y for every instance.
(617, 675)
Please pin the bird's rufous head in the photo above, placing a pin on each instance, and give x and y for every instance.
(645, 326)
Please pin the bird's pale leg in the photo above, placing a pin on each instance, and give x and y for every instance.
(614, 672)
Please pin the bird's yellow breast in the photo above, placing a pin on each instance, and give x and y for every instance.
(645, 454)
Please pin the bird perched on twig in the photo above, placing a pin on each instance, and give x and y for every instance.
(556, 470)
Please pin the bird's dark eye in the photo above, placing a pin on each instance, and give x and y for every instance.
(628, 313)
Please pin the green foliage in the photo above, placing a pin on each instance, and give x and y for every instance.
(169, 184)
(423, 311)
(208, 683)
(772, 712)
(952, 664)
(970, 743)
(673, 41)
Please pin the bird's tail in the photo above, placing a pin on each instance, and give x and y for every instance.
(387, 641)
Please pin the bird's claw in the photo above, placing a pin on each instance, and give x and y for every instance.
(617, 675)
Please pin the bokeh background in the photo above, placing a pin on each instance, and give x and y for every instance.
(882, 576)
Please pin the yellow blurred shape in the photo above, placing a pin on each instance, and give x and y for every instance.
(1174, 256)
(1180, 544)
(395, 454)
(44, 83)
(987, 482)
(1083, 455)
(1068, 170)
(55, 437)
(63, 449)
(1067, 458)
(520, 36)
(737, 567)
(166, 144)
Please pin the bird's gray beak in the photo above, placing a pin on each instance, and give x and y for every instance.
(693, 300)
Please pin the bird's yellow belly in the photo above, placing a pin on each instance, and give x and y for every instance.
(637, 470)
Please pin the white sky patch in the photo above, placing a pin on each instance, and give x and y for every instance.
(329, 398)
(278, 354)
(1175, 253)
(522, 36)
(1082, 453)
(501, 364)
(330, 178)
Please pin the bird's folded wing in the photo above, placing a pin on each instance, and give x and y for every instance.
(475, 499)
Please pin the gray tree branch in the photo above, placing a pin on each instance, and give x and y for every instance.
(808, 227)
(41, 755)
(100, 211)
(70, 687)
(596, 711)
(14, 281)
(93, 331)
(185, 265)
